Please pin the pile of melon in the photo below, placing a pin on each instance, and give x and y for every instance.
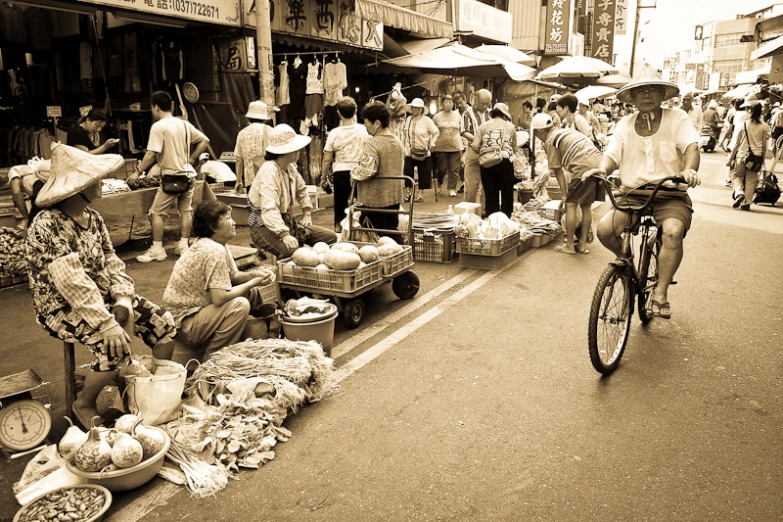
(343, 256)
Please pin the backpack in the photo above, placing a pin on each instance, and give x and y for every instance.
(767, 191)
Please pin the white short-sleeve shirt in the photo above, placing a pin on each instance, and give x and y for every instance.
(169, 138)
(644, 159)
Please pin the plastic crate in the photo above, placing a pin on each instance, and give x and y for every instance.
(487, 262)
(323, 279)
(128, 168)
(269, 293)
(524, 246)
(488, 247)
(540, 240)
(434, 245)
(398, 262)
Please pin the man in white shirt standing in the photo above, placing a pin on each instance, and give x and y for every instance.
(694, 111)
(169, 146)
(472, 118)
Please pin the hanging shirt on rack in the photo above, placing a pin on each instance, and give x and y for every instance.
(131, 62)
(85, 61)
(314, 83)
(335, 80)
(12, 25)
(40, 23)
(283, 96)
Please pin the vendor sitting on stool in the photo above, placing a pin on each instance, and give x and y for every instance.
(273, 226)
(25, 182)
(76, 277)
(208, 295)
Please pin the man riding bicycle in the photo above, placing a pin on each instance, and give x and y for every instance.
(646, 146)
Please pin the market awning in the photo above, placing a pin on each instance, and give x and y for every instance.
(459, 60)
(770, 48)
(405, 19)
(741, 91)
(507, 53)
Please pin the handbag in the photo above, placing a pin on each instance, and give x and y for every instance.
(753, 162)
(417, 154)
(490, 156)
(178, 182)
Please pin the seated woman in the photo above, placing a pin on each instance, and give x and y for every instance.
(278, 183)
(76, 277)
(209, 296)
(25, 182)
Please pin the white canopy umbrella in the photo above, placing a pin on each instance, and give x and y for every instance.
(595, 91)
(576, 68)
(614, 80)
(507, 53)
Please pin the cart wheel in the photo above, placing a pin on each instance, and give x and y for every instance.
(353, 313)
(406, 285)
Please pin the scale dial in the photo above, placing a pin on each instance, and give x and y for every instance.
(24, 425)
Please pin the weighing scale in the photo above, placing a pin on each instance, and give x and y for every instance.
(25, 420)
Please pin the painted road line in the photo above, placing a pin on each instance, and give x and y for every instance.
(140, 507)
(355, 364)
(371, 331)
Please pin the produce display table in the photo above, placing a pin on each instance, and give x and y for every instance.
(119, 211)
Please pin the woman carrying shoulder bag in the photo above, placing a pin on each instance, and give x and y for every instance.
(747, 158)
(495, 143)
(421, 135)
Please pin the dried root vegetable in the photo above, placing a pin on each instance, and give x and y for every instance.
(12, 252)
(73, 504)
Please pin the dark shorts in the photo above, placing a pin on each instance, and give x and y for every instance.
(581, 192)
(667, 205)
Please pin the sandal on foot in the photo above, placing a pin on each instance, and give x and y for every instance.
(562, 250)
(664, 310)
(580, 251)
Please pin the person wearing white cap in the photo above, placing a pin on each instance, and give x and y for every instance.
(76, 277)
(251, 144)
(646, 146)
(169, 146)
(420, 135)
(776, 124)
(277, 186)
(496, 142)
(216, 171)
(571, 154)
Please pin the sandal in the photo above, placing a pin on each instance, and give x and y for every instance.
(418, 199)
(562, 250)
(664, 310)
(580, 251)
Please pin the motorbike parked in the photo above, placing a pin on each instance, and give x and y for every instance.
(709, 138)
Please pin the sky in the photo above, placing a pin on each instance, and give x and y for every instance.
(671, 25)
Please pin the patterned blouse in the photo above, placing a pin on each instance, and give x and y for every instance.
(74, 268)
(251, 143)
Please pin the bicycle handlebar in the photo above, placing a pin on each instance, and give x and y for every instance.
(636, 208)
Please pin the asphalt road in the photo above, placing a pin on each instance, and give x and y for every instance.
(482, 404)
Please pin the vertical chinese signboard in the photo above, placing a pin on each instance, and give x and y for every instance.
(558, 16)
(603, 30)
(621, 18)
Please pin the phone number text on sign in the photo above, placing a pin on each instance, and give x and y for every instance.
(187, 7)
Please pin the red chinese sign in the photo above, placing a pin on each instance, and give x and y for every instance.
(602, 43)
(558, 16)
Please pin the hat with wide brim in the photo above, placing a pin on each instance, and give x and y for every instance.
(259, 110)
(73, 170)
(418, 103)
(502, 107)
(283, 140)
(647, 77)
(750, 101)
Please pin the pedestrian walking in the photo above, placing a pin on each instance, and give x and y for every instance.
(495, 143)
(473, 118)
(570, 154)
(169, 146)
(342, 152)
(448, 147)
(420, 134)
(251, 144)
(748, 156)
(694, 112)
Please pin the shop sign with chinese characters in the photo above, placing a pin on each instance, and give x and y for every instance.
(621, 18)
(332, 20)
(221, 12)
(558, 16)
(602, 43)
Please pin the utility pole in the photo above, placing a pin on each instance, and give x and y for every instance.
(266, 80)
(639, 8)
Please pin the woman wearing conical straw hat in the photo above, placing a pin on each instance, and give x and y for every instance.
(76, 277)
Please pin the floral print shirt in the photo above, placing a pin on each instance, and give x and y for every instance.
(72, 268)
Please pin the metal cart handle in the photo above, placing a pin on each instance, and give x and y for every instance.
(358, 206)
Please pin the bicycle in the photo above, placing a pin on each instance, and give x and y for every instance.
(610, 318)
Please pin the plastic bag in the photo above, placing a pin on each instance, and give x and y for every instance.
(45, 473)
(156, 398)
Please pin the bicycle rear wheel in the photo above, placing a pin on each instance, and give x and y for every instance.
(610, 319)
(648, 277)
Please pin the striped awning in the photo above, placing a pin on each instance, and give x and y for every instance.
(405, 19)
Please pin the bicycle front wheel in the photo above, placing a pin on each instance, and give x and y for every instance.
(610, 319)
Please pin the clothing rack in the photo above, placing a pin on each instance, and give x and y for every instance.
(309, 53)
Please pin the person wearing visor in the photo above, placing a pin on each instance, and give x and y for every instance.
(646, 146)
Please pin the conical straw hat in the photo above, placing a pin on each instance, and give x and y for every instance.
(647, 76)
(74, 170)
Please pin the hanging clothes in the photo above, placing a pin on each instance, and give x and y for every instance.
(297, 86)
(39, 21)
(315, 84)
(12, 24)
(283, 96)
(335, 80)
(131, 63)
